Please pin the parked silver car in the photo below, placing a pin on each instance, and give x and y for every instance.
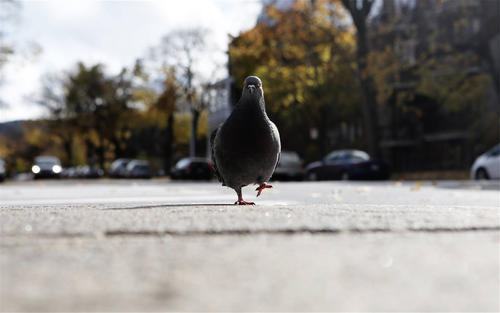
(290, 167)
(118, 168)
(139, 169)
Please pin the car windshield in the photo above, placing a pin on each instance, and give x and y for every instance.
(119, 163)
(348, 156)
(289, 157)
(46, 160)
(46, 163)
(336, 155)
(358, 155)
(494, 151)
(182, 163)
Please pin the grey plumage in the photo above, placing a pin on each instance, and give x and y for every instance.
(246, 147)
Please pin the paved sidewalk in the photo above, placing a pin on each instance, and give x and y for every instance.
(149, 246)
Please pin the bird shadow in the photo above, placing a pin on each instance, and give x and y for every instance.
(169, 205)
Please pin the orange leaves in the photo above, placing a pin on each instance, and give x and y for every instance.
(297, 51)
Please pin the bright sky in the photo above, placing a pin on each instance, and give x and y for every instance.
(111, 32)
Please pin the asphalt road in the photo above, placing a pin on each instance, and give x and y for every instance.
(332, 246)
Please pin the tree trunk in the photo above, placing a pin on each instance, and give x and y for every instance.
(323, 131)
(169, 148)
(68, 149)
(370, 116)
(359, 11)
(90, 151)
(62, 129)
(101, 149)
(117, 145)
(195, 114)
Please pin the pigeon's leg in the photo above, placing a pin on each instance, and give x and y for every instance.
(262, 187)
(240, 199)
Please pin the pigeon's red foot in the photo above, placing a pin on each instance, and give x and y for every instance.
(262, 187)
(243, 202)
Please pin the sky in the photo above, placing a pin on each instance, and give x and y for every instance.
(114, 33)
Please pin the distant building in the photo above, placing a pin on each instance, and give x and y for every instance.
(434, 138)
(219, 107)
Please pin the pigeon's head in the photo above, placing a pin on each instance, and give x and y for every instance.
(253, 86)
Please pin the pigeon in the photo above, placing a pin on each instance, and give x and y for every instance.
(246, 147)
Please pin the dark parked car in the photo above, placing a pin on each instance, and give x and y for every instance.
(88, 171)
(68, 172)
(139, 169)
(46, 167)
(290, 167)
(347, 165)
(192, 168)
(118, 168)
(3, 172)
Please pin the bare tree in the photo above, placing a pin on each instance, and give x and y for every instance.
(185, 49)
(8, 12)
(52, 95)
(167, 102)
(52, 99)
(9, 17)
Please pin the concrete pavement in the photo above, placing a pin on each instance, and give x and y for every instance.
(332, 246)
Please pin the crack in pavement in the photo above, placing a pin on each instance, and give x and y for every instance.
(291, 231)
(248, 232)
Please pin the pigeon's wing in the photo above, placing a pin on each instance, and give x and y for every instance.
(277, 135)
(278, 162)
(214, 161)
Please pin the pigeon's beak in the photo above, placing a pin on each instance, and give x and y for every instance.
(251, 88)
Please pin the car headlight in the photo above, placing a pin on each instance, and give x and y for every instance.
(56, 169)
(35, 169)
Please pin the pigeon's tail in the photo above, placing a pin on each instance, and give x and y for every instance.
(212, 145)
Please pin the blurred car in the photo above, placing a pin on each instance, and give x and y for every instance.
(46, 167)
(487, 165)
(3, 172)
(88, 171)
(138, 169)
(347, 165)
(118, 168)
(192, 168)
(290, 167)
(69, 172)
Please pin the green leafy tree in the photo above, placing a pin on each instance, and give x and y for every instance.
(94, 107)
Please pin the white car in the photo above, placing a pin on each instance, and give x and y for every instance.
(487, 165)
